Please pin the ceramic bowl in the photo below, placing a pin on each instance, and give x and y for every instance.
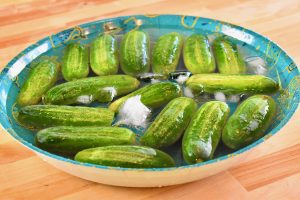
(281, 67)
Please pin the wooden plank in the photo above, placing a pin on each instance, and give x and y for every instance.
(282, 189)
(210, 188)
(269, 168)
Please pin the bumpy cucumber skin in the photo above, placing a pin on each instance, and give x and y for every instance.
(169, 125)
(40, 79)
(128, 156)
(75, 64)
(100, 89)
(70, 140)
(249, 122)
(231, 84)
(203, 134)
(43, 116)
(104, 55)
(228, 59)
(197, 55)
(152, 96)
(134, 53)
(166, 53)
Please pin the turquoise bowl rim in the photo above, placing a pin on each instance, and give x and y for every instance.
(238, 152)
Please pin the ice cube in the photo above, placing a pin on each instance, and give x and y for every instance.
(155, 81)
(256, 65)
(111, 90)
(85, 99)
(188, 92)
(253, 125)
(234, 98)
(220, 96)
(182, 79)
(133, 113)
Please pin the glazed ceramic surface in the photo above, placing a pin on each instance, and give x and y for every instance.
(280, 67)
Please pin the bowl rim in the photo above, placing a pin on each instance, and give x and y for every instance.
(234, 154)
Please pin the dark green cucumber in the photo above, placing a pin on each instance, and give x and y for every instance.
(40, 79)
(70, 140)
(104, 55)
(169, 125)
(134, 54)
(153, 95)
(249, 122)
(197, 55)
(203, 134)
(102, 89)
(43, 116)
(75, 63)
(228, 59)
(126, 156)
(231, 84)
(166, 53)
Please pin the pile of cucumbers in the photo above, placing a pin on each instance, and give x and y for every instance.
(66, 125)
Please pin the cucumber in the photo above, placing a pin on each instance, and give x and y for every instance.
(152, 96)
(101, 89)
(40, 79)
(197, 55)
(166, 53)
(128, 156)
(43, 116)
(169, 125)
(228, 59)
(134, 54)
(249, 122)
(70, 140)
(75, 64)
(104, 55)
(231, 84)
(203, 134)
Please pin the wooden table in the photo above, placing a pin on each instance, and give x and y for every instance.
(272, 169)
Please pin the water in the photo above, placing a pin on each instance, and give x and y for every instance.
(135, 115)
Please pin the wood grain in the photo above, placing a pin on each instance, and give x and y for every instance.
(271, 171)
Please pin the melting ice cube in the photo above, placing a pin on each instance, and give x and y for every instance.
(188, 92)
(256, 65)
(111, 91)
(85, 99)
(220, 96)
(182, 79)
(155, 81)
(234, 98)
(133, 113)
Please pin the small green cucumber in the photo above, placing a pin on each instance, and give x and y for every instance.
(169, 125)
(152, 96)
(87, 90)
(75, 64)
(228, 59)
(203, 134)
(134, 54)
(40, 79)
(43, 116)
(104, 55)
(231, 84)
(197, 55)
(128, 156)
(70, 140)
(166, 53)
(249, 122)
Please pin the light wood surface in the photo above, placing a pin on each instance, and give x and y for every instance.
(270, 172)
